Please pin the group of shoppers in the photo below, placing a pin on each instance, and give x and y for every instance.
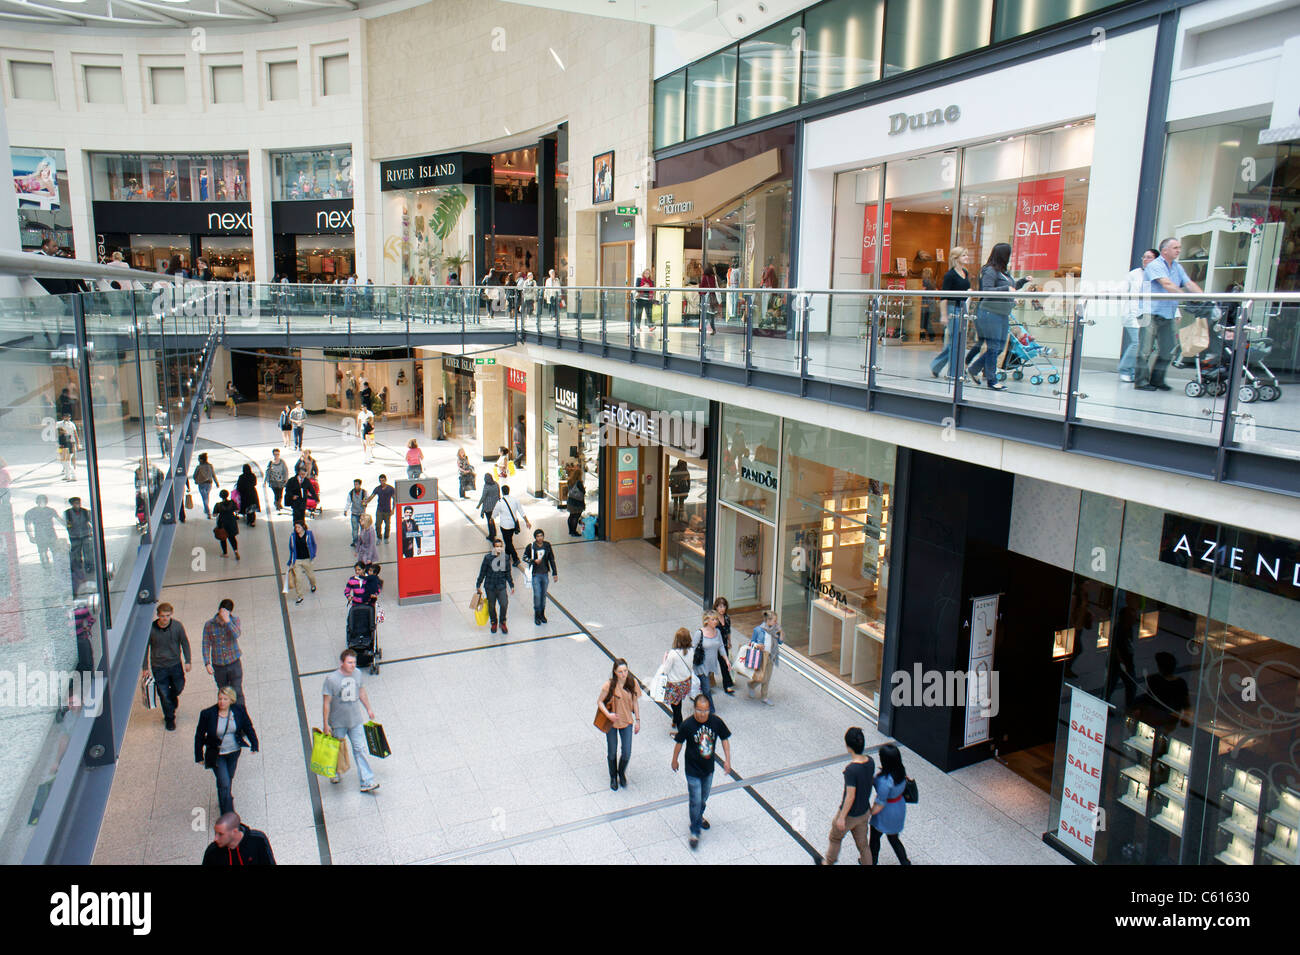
(226, 512)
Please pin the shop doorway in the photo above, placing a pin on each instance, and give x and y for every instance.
(616, 264)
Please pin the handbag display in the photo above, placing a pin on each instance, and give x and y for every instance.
(377, 741)
(324, 754)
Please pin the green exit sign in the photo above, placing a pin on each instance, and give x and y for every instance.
(485, 361)
(628, 210)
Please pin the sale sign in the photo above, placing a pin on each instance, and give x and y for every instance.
(1081, 787)
(1036, 239)
(869, 236)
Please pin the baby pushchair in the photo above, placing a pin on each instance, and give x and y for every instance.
(1026, 352)
(363, 635)
(1213, 366)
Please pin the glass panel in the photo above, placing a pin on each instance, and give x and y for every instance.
(711, 94)
(750, 443)
(769, 71)
(319, 174)
(1017, 17)
(186, 178)
(429, 232)
(836, 490)
(670, 109)
(44, 205)
(688, 481)
(920, 32)
(744, 564)
(842, 46)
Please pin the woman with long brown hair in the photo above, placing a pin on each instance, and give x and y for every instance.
(620, 703)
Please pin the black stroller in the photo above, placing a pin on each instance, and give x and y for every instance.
(1214, 365)
(363, 635)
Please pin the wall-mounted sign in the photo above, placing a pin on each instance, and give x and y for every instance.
(568, 391)
(628, 424)
(902, 122)
(1036, 236)
(458, 364)
(869, 236)
(517, 380)
(445, 170)
(625, 498)
(627, 210)
(759, 474)
(668, 205)
(485, 361)
(312, 217)
(979, 672)
(1257, 561)
(685, 203)
(174, 218)
(1081, 787)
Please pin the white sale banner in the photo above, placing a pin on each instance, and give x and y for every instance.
(1081, 790)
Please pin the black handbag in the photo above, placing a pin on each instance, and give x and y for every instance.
(910, 793)
(698, 658)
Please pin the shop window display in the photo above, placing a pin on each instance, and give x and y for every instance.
(429, 233)
(179, 177)
(315, 174)
(686, 487)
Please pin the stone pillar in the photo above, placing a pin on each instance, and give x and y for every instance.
(317, 379)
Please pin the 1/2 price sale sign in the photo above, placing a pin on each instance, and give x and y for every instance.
(1036, 239)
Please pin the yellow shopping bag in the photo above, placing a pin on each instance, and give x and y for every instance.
(324, 754)
(511, 467)
(481, 614)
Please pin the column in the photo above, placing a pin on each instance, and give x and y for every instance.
(259, 198)
(317, 379)
(547, 207)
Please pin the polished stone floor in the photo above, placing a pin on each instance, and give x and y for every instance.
(494, 756)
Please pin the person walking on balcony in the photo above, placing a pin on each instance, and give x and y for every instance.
(993, 317)
(1133, 315)
(645, 298)
(709, 299)
(1163, 274)
(952, 311)
(552, 294)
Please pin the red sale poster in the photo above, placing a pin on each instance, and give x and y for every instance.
(869, 236)
(1036, 240)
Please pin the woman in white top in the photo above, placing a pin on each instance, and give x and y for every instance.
(552, 294)
(709, 636)
(676, 669)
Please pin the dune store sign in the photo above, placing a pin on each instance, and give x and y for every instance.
(1246, 558)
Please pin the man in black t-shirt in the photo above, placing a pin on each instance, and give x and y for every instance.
(855, 808)
(700, 733)
(384, 509)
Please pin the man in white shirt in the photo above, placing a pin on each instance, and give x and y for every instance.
(508, 516)
(1133, 318)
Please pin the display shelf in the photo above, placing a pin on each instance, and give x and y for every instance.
(1175, 764)
(1232, 825)
(1227, 857)
(1128, 799)
(1287, 811)
(1172, 794)
(868, 651)
(1139, 774)
(1143, 744)
(1248, 799)
(1171, 823)
(1285, 855)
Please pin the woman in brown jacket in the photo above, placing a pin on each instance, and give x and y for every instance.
(620, 703)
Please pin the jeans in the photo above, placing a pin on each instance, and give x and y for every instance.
(356, 527)
(895, 842)
(170, 681)
(612, 736)
(1153, 354)
(412, 471)
(360, 751)
(204, 491)
(706, 687)
(992, 329)
(278, 494)
(541, 584)
(383, 524)
(948, 356)
(698, 789)
(1128, 359)
(224, 770)
(297, 438)
(231, 675)
(497, 602)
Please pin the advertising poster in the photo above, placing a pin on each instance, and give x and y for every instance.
(983, 635)
(1081, 789)
(625, 500)
(419, 569)
(419, 530)
(1036, 239)
(869, 236)
(36, 174)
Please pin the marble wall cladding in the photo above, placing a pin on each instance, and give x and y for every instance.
(1044, 521)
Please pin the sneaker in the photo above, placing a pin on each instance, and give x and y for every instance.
(704, 823)
(169, 724)
(1162, 387)
(695, 842)
(1145, 388)
(767, 702)
(1128, 379)
(313, 588)
(334, 780)
(371, 788)
(543, 618)
(298, 601)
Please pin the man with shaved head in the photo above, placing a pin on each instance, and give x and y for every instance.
(235, 844)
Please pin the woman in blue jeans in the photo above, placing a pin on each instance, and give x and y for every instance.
(222, 731)
(992, 319)
(952, 310)
(620, 703)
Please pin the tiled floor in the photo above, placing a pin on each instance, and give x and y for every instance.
(494, 757)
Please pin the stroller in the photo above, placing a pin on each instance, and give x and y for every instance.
(363, 635)
(1026, 352)
(1214, 365)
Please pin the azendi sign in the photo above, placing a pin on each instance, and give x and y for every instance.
(1257, 561)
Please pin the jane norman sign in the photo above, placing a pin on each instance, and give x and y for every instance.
(668, 207)
(1258, 561)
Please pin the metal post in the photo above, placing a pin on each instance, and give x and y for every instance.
(663, 328)
(958, 354)
(876, 312)
(749, 344)
(1227, 432)
(1072, 394)
(578, 311)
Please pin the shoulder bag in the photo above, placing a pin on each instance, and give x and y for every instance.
(910, 793)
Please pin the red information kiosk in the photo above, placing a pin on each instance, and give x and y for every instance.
(419, 572)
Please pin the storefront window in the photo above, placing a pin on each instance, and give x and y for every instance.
(325, 258)
(750, 443)
(228, 257)
(514, 176)
(1195, 673)
(836, 491)
(687, 488)
(920, 32)
(428, 233)
(670, 109)
(1228, 198)
(41, 188)
(842, 46)
(711, 94)
(1015, 18)
(218, 177)
(154, 253)
(317, 174)
(769, 71)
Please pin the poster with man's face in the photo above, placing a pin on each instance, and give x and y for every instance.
(418, 530)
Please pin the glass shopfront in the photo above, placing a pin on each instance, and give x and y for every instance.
(1183, 662)
(895, 223)
(434, 210)
(458, 392)
(154, 253)
(314, 174)
(325, 258)
(571, 400)
(748, 450)
(228, 257)
(172, 177)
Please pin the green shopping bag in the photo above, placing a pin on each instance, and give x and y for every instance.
(324, 754)
(377, 740)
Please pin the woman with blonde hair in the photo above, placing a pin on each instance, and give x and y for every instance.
(367, 542)
(222, 731)
(952, 310)
(707, 648)
(414, 459)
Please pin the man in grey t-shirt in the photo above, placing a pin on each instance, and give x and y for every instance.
(345, 709)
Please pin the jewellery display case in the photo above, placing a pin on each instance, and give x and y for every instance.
(1284, 821)
(1239, 802)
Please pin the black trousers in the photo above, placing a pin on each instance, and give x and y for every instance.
(727, 680)
(894, 841)
(497, 602)
(574, 518)
(508, 535)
